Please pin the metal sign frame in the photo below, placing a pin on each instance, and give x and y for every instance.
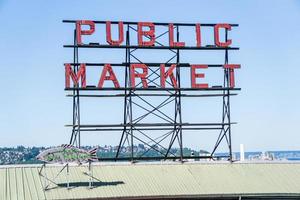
(173, 127)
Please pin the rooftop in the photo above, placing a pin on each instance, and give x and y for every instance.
(155, 180)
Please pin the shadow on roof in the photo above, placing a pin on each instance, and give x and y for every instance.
(94, 184)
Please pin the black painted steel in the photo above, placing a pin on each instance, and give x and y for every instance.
(155, 23)
(172, 128)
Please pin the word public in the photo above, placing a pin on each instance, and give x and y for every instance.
(148, 34)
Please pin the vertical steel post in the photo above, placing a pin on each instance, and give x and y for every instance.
(78, 101)
(228, 101)
(90, 174)
(130, 97)
(126, 95)
(46, 178)
(75, 137)
(178, 96)
(68, 182)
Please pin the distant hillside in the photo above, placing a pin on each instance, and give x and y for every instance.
(26, 155)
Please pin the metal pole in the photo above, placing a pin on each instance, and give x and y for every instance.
(74, 97)
(125, 93)
(78, 102)
(46, 179)
(179, 100)
(130, 100)
(68, 182)
(90, 174)
(228, 101)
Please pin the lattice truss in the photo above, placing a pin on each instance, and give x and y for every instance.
(153, 116)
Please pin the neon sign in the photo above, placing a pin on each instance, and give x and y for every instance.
(146, 38)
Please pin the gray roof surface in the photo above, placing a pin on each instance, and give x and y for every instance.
(153, 180)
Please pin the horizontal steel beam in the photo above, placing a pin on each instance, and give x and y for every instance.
(181, 65)
(155, 23)
(150, 129)
(152, 95)
(91, 88)
(148, 125)
(150, 47)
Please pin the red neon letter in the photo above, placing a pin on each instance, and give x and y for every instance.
(231, 68)
(198, 35)
(108, 34)
(217, 35)
(143, 75)
(80, 32)
(171, 38)
(75, 77)
(149, 34)
(164, 75)
(194, 75)
(111, 76)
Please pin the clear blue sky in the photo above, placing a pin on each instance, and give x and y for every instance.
(33, 106)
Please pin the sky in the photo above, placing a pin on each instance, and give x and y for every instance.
(34, 107)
